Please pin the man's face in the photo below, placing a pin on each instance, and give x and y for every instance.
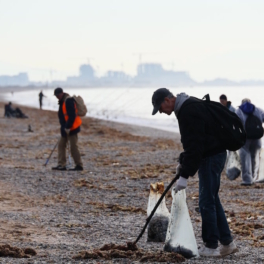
(59, 96)
(166, 106)
(223, 102)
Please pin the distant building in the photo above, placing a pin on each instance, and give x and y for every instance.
(20, 79)
(115, 78)
(86, 72)
(152, 74)
(85, 78)
(219, 82)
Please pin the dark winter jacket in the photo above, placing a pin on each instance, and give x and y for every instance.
(198, 136)
(71, 113)
(230, 107)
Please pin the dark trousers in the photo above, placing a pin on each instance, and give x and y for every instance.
(214, 224)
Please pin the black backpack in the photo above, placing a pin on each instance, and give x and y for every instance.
(228, 126)
(253, 127)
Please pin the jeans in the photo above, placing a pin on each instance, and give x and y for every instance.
(249, 156)
(214, 224)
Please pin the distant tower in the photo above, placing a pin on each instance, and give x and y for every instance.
(86, 71)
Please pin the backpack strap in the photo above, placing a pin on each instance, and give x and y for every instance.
(207, 98)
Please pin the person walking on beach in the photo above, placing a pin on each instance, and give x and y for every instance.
(41, 95)
(252, 118)
(228, 104)
(70, 127)
(202, 152)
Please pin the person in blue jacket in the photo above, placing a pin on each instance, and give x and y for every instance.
(249, 153)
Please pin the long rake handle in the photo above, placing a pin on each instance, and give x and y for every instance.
(155, 208)
(51, 153)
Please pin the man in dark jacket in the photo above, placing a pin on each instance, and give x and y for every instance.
(202, 152)
(70, 126)
(228, 104)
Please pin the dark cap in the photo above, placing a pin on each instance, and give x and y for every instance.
(58, 91)
(158, 98)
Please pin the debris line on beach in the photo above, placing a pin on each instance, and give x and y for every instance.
(130, 251)
(14, 252)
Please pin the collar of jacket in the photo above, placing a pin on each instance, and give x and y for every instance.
(65, 95)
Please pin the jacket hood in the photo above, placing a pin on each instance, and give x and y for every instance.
(247, 108)
(180, 99)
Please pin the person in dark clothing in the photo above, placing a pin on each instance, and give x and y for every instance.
(11, 112)
(228, 104)
(249, 153)
(70, 124)
(41, 95)
(202, 152)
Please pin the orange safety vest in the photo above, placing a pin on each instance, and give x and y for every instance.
(77, 122)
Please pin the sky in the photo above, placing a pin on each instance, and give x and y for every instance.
(50, 39)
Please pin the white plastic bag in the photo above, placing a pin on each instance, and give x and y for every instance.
(233, 165)
(260, 177)
(157, 227)
(180, 237)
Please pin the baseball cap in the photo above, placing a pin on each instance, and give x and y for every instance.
(158, 98)
(58, 91)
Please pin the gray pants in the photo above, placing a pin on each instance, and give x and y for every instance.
(249, 156)
(74, 150)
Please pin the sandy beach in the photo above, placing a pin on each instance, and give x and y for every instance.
(59, 214)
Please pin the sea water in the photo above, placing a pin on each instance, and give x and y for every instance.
(133, 105)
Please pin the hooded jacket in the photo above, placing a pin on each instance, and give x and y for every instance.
(71, 114)
(198, 135)
(247, 109)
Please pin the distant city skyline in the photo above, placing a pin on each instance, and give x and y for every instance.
(148, 75)
(209, 39)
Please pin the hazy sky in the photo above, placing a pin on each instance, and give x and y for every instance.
(207, 38)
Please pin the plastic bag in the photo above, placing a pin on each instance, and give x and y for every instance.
(180, 237)
(233, 165)
(260, 177)
(157, 227)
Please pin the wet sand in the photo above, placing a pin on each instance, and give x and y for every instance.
(59, 214)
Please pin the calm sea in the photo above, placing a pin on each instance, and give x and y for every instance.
(133, 105)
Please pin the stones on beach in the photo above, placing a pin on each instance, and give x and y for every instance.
(158, 224)
(180, 236)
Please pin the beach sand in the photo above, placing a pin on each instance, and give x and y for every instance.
(59, 214)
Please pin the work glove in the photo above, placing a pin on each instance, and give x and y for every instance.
(67, 130)
(63, 132)
(181, 184)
